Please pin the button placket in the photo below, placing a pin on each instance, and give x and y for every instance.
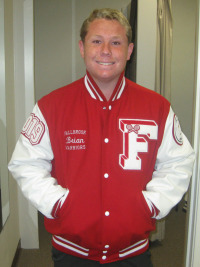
(104, 257)
(106, 174)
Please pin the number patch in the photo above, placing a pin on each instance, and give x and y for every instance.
(33, 129)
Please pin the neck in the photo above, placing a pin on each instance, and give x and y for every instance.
(106, 88)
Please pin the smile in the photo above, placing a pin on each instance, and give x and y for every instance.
(105, 63)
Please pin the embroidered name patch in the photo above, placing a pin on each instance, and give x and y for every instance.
(75, 139)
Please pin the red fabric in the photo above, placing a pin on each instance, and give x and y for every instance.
(78, 125)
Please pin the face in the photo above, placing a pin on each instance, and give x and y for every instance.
(105, 50)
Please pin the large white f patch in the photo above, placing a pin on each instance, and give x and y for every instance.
(135, 139)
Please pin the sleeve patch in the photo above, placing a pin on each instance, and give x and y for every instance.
(33, 129)
(177, 133)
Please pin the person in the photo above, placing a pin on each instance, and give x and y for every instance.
(102, 158)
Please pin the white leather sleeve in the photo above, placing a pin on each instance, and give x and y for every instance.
(31, 166)
(173, 170)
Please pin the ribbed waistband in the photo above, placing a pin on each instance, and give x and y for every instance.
(104, 255)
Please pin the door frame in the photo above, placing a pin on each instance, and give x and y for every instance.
(23, 39)
(193, 234)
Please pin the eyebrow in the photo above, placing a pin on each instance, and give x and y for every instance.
(112, 37)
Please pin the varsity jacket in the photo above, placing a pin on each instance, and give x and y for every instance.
(102, 171)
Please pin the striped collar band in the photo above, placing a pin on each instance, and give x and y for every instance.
(96, 93)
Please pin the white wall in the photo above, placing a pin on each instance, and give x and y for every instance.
(53, 45)
(146, 43)
(4, 192)
(183, 56)
(24, 102)
(57, 26)
(9, 236)
(193, 241)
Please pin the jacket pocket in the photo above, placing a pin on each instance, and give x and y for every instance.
(60, 205)
(150, 206)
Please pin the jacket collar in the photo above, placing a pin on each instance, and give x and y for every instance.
(96, 93)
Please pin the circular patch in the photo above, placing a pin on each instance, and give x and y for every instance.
(177, 133)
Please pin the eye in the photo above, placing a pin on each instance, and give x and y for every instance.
(116, 43)
(96, 41)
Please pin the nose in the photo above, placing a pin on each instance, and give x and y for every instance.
(106, 49)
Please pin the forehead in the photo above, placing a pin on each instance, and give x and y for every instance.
(106, 27)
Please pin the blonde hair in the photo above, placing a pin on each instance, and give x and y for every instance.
(109, 14)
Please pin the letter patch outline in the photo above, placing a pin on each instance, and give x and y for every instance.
(33, 129)
(135, 132)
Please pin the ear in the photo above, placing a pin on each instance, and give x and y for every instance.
(130, 50)
(81, 48)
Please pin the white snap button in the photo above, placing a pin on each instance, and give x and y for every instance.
(107, 246)
(106, 140)
(104, 107)
(104, 258)
(107, 213)
(105, 251)
(106, 175)
(110, 107)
